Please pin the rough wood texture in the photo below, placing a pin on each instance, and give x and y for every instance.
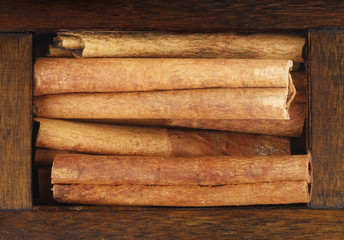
(165, 223)
(15, 120)
(186, 45)
(326, 115)
(215, 170)
(283, 192)
(148, 141)
(179, 15)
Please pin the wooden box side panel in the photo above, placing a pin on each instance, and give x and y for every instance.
(178, 15)
(169, 223)
(15, 120)
(326, 117)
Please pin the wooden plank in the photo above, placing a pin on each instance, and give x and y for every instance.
(326, 115)
(209, 223)
(15, 120)
(179, 15)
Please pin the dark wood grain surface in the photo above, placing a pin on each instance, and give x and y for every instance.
(179, 15)
(326, 115)
(211, 223)
(15, 120)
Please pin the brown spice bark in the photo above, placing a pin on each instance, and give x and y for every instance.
(300, 97)
(206, 171)
(67, 75)
(291, 128)
(183, 196)
(58, 52)
(300, 80)
(133, 140)
(217, 103)
(187, 45)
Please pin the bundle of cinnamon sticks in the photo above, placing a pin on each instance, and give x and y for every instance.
(167, 119)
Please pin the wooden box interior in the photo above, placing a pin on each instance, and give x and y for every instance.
(42, 194)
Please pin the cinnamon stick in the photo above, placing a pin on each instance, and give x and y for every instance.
(67, 75)
(45, 156)
(58, 52)
(291, 128)
(132, 140)
(300, 97)
(219, 103)
(183, 196)
(208, 170)
(187, 45)
(300, 80)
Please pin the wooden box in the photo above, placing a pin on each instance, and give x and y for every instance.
(319, 21)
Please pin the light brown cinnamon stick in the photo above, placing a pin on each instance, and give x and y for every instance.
(291, 128)
(189, 45)
(130, 140)
(219, 103)
(56, 52)
(66, 75)
(182, 196)
(214, 170)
